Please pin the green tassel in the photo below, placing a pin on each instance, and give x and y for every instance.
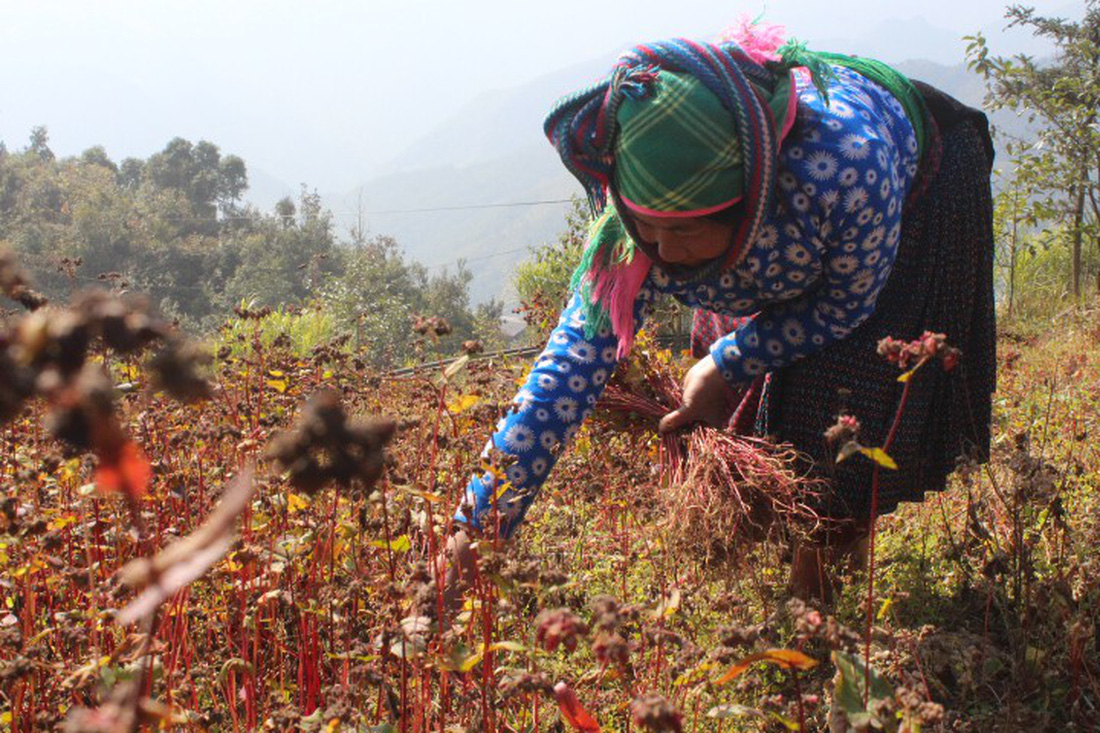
(794, 54)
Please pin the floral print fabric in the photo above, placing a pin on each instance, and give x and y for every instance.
(811, 277)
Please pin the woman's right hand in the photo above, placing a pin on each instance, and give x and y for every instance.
(706, 399)
(459, 565)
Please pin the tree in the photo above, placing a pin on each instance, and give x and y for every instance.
(286, 211)
(380, 292)
(1064, 96)
(542, 281)
(209, 182)
(376, 298)
(232, 182)
(97, 155)
(131, 173)
(40, 143)
(277, 259)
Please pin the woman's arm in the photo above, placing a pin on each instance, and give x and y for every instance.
(850, 239)
(558, 394)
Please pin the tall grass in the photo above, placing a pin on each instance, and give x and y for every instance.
(302, 329)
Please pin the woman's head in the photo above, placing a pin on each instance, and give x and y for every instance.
(750, 106)
(688, 241)
(679, 129)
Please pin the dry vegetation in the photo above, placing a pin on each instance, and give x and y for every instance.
(130, 596)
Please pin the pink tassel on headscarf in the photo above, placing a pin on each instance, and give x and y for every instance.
(759, 40)
(617, 289)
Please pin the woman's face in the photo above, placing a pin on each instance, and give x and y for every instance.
(688, 241)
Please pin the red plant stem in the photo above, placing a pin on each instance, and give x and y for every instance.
(871, 544)
(798, 693)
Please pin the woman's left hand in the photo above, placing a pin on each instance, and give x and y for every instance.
(706, 399)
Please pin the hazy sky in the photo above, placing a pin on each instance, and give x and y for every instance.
(300, 89)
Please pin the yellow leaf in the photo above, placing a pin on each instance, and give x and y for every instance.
(427, 496)
(878, 455)
(508, 646)
(63, 521)
(327, 374)
(471, 661)
(785, 658)
(909, 374)
(787, 722)
(276, 373)
(668, 606)
(462, 403)
(790, 658)
(279, 385)
(456, 366)
(296, 503)
(398, 544)
(885, 607)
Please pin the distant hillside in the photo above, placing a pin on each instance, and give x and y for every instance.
(493, 152)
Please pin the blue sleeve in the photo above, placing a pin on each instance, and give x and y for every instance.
(787, 331)
(559, 393)
(842, 209)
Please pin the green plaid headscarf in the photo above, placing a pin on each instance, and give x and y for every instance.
(678, 151)
(683, 128)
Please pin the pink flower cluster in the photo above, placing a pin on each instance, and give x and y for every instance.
(844, 430)
(909, 355)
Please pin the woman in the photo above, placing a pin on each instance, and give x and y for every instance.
(807, 205)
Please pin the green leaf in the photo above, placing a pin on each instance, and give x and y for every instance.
(850, 687)
(452, 659)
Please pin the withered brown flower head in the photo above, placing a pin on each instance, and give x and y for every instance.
(655, 713)
(15, 284)
(177, 370)
(326, 447)
(845, 428)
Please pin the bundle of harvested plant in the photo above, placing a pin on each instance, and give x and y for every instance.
(721, 490)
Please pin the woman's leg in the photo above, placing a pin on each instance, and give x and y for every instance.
(815, 565)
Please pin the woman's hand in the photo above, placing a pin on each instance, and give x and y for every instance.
(459, 565)
(706, 399)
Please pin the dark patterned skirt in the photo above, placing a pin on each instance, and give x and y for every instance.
(941, 281)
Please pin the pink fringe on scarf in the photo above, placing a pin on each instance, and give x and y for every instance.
(759, 40)
(617, 289)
